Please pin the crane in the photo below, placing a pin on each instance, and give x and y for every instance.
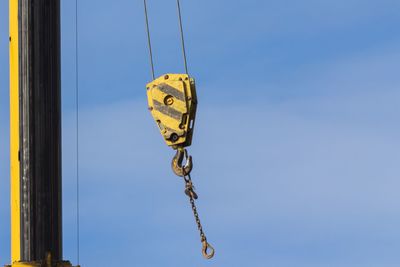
(35, 132)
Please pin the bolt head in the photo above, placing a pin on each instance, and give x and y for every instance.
(169, 100)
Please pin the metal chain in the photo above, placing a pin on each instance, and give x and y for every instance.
(189, 191)
(207, 250)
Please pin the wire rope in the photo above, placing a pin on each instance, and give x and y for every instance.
(182, 36)
(149, 39)
(77, 132)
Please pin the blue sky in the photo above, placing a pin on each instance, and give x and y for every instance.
(296, 147)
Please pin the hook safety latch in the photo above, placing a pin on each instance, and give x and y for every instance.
(176, 164)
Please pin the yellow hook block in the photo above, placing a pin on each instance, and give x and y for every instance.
(172, 102)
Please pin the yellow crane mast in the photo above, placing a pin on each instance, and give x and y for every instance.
(35, 136)
(35, 131)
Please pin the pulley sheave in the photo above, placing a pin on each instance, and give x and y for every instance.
(173, 102)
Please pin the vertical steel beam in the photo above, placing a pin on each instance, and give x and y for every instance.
(14, 133)
(35, 96)
(40, 129)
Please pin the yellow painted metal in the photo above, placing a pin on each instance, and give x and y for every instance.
(46, 262)
(14, 132)
(172, 102)
(14, 148)
(40, 264)
(26, 264)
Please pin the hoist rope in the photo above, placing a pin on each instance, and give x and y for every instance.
(77, 133)
(182, 36)
(149, 39)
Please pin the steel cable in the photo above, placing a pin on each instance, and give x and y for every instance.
(149, 39)
(182, 36)
(77, 132)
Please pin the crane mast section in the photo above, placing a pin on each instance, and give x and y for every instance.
(35, 133)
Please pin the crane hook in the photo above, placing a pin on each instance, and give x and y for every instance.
(177, 160)
(207, 250)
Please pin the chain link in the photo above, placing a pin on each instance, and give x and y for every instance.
(189, 191)
(208, 251)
